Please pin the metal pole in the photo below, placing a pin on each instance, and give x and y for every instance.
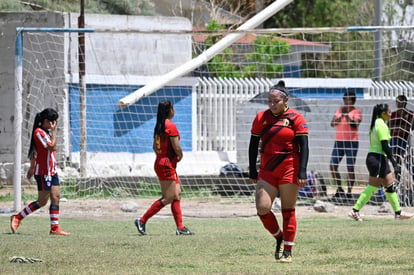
(18, 119)
(82, 93)
(204, 57)
(378, 42)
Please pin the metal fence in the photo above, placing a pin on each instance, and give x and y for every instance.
(218, 98)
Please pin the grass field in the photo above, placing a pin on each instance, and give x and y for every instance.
(220, 246)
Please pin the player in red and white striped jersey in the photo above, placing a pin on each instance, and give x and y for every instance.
(42, 155)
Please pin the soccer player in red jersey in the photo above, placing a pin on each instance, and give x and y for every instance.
(400, 124)
(283, 134)
(42, 155)
(166, 146)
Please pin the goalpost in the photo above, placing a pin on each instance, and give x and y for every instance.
(213, 113)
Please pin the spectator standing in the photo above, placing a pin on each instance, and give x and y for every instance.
(346, 120)
(401, 123)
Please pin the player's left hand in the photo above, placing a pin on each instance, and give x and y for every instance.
(303, 182)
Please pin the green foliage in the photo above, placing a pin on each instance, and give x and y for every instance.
(323, 13)
(265, 50)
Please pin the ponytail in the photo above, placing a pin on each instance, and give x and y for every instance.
(164, 109)
(376, 113)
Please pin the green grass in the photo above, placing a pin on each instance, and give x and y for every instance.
(220, 246)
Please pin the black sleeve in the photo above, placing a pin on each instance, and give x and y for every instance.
(253, 151)
(386, 148)
(303, 155)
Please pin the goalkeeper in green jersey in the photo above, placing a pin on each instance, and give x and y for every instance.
(378, 166)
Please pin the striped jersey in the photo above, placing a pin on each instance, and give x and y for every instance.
(45, 159)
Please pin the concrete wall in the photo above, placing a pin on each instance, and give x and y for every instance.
(124, 56)
(131, 53)
(8, 23)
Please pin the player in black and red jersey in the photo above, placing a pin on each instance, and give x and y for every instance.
(168, 152)
(42, 155)
(283, 133)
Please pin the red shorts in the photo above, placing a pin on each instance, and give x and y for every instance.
(165, 170)
(286, 172)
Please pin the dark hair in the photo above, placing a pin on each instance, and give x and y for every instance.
(403, 99)
(164, 109)
(280, 86)
(351, 95)
(49, 114)
(376, 113)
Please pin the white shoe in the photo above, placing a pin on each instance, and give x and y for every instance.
(403, 216)
(355, 215)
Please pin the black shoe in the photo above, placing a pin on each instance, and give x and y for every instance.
(140, 226)
(184, 231)
(279, 248)
(340, 193)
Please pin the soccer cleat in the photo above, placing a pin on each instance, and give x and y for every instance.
(355, 215)
(403, 216)
(141, 227)
(14, 223)
(59, 231)
(184, 231)
(279, 248)
(286, 256)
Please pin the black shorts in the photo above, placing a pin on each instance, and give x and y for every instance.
(377, 165)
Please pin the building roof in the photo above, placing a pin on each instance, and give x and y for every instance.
(248, 38)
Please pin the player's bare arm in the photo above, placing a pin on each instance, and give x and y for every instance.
(175, 142)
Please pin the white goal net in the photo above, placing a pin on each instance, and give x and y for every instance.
(214, 104)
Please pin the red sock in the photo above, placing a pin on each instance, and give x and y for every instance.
(177, 213)
(54, 217)
(270, 223)
(289, 227)
(154, 209)
(30, 208)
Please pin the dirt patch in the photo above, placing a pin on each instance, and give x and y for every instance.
(218, 208)
(110, 209)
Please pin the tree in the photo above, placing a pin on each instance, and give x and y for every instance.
(260, 60)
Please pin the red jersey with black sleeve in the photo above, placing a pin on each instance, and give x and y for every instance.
(401, 123)
(45, 159)
(163, 147)
(277, 134)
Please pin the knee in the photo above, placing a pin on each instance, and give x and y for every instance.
(262, 209)
(390, 188)
(55, 198)
(167, 200)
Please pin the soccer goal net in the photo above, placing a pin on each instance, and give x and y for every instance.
(215, 104)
